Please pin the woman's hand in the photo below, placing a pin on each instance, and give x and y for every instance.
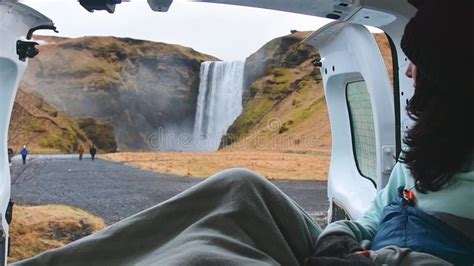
(336, 245)
(338, 249)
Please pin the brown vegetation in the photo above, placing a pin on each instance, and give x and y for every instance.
(272, 165)
(385, 50)
(40, 228)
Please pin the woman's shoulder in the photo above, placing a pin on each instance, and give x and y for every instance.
(467, 172)
(465, 176)
(469, 165)
(401, 174)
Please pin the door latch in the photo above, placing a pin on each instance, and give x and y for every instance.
(26, 49)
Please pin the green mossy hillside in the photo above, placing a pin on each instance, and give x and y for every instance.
(284, 107)
(41, 127)
(101, 134)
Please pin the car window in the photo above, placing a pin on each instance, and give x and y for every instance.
(362, 128)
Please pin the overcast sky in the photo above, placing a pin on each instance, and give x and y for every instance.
(227, 32)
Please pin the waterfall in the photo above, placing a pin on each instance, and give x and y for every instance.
(219, 102)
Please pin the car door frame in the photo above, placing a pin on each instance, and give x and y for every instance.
(349, 53)
(17, 23)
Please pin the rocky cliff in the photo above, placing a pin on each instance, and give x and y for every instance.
(136, 86)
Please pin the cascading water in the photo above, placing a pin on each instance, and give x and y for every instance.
(219, 102)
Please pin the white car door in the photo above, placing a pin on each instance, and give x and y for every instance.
(17, 23)
(360, 99)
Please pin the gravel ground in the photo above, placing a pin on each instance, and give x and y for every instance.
(114, 191)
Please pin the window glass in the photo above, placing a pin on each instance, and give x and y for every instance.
(362, 128)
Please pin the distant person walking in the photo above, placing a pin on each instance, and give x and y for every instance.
(81, 151)
(24, 153)
(92, 151)
(10, 155)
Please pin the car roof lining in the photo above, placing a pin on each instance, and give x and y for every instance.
(335, 9)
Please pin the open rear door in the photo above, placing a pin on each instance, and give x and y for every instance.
(17, 23)
(359, 96)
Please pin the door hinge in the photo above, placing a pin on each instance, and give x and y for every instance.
(388, 159)
(9, 212)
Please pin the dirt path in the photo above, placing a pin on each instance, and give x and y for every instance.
(114, 191)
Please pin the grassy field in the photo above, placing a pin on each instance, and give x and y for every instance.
(273, 165)
(40, 228)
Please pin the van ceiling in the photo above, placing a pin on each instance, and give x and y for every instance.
(334, 9)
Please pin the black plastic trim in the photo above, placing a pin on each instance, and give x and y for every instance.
(396, 97)
(41, 27)
(3, 256)
(338, 213)
(9, 212)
